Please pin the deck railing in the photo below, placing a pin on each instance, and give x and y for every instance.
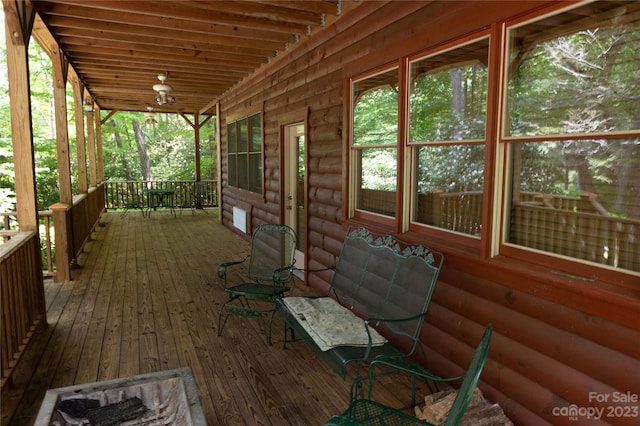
(130, 194)
(594, 237)
(579, 227)
(9, 229)
(118, 195)
(23, 303)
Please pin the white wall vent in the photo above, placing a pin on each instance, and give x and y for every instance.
(240, 219)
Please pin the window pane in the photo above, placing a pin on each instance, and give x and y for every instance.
(579, 199)
(448, 99)
(448, 187)
(243, 171)
(375, 112)
(233, 170)
(255, 172)
(376, 191)
(375, 123)
(255, 132)
(231, 138)
(242, 136)
(576, 72)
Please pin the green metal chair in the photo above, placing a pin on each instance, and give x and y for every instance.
(271, 274)
(365, 412)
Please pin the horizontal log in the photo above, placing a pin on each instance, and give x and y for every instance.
(323, 211)
(330, 115)
(330, 133)
(596, 361)
(517, 389)
(325, 180)
(329, 229)
(325, 243)
(562, 384)
(326, 196)
(605, 333)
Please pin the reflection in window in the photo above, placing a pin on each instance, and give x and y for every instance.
(551, 211)
(449, 187)
(577, 197)
(567, 79)
(447, 115)
(375, 140)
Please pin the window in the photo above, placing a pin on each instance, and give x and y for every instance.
(245, 153)
(375, 142)
(572, 124)
(446, 108)
(563, 143)
(447, 127)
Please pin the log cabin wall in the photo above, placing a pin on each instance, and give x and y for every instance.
(558, 340)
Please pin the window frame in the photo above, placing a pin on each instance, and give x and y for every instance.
(353, 178)
(571, 267)
(402, 222)
(491, 246)
(244, 149)
(412, 147)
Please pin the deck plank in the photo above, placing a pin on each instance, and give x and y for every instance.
(146, 299)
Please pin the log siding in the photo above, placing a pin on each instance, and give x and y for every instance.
(557, 337)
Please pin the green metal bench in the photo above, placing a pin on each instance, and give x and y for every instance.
(388, 284)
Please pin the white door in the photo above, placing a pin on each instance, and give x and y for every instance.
(294, 185)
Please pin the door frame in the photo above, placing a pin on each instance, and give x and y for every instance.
(284, 134)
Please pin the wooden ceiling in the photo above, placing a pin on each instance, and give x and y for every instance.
(118, 48)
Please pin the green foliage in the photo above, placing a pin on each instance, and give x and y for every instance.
(450, 168)
(375, 119)
(580, 83)
(169, 141)
(434, 115)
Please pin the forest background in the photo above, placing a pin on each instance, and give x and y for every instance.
(129, 138)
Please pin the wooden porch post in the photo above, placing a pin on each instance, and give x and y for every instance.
(63, 242)
(19, 17)
(196, 137)
(100, 157)
(60, 72)
(91, 143)
(219, 161)
(81, 151)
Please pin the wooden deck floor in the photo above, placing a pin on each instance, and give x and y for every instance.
(146, 299)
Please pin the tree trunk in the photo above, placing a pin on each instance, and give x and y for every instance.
(123, 158)
(458, 101)
(145, 166)
(585, 179)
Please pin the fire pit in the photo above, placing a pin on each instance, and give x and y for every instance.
(162, 398)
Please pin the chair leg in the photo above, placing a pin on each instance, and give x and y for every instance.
(222, 323)
(268, 331)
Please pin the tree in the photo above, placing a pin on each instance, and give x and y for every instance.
(142, 152)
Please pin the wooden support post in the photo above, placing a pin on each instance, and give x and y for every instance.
(100, 157)
(60, 71)
(63, 257)
(196, 137)
(91, 144)
(19, 17)
(81, 150)
(219, 161)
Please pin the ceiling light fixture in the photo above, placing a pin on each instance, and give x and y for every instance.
(88, 105)
(163, 90)
(150, 116)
